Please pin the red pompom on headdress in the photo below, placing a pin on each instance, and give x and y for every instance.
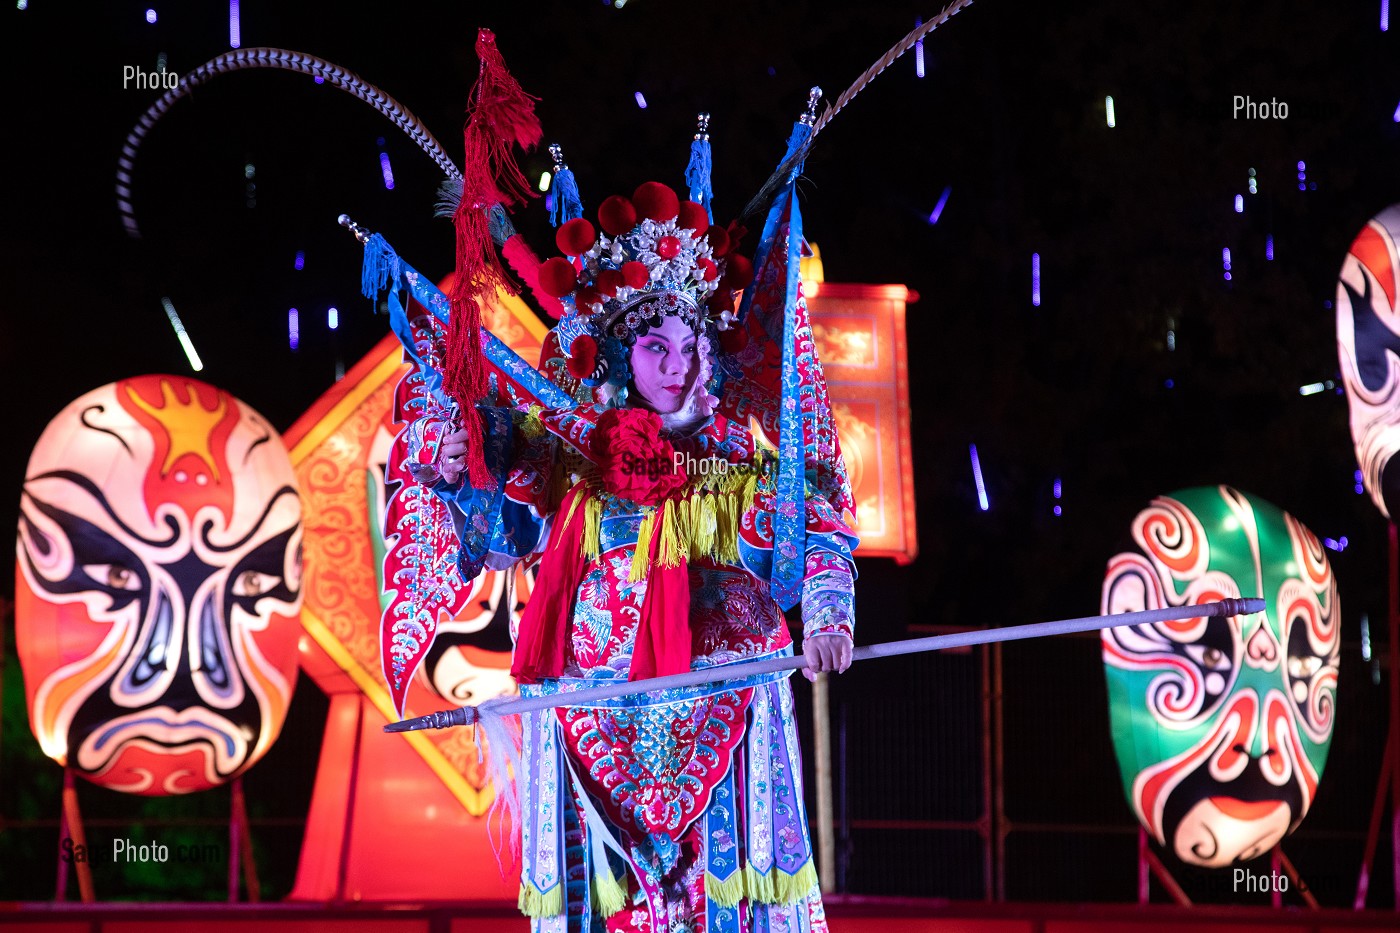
(719, 241)
(656, 201)
(501, 115)
(575, 237)
(608, 282)
(557, 277)
(692, 216)
(583, 357)
(738, 272)
(635, 274)
(617, 215)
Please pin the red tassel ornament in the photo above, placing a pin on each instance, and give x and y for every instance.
(500, 115)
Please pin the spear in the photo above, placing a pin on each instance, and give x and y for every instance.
(493, 709)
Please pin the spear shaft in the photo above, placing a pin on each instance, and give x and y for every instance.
(468, 715)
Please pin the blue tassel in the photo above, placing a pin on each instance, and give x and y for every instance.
(381, 264)
(697, 174)
(801, 132)
(567, 203)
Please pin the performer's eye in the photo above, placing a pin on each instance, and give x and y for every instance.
(251, 583)
(113, 576)
(689, 350)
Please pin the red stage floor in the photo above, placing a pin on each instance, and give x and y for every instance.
(846, 915)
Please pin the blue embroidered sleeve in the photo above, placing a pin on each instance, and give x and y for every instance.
(829, 572)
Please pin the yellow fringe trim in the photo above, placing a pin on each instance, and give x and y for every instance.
(668, 553)
(638, 570)
(573, 507)
(592, 527)
(704, 523)
(534, 904)
(772, 887)
(608, 896)
(778, 887)
(726, 893)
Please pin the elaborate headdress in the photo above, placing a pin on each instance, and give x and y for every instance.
(655, 256)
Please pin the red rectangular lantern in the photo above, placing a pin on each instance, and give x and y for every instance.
(859, 332)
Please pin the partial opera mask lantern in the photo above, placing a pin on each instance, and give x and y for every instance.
(1368, 345)
(158, 586)
(1222, 726)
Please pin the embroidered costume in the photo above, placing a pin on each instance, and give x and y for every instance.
(664, 543)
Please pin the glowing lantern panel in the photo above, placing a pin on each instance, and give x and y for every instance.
(158, 586)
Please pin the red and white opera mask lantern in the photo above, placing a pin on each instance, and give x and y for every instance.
(158, 586)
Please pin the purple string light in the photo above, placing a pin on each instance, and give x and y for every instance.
(938, 208)
(1269, 247)
(1239, 204)
(982, 502)
(293, 328)
(1057, 496)
(1360, 486)
(332, 318)
(1035, 279)
(1385, 15)
(918, 52)
(150, 16)
(234, 37)
(300, 261)
(641, 100)
(386, 170)
(1225, 257)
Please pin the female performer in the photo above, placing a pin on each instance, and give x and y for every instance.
(652, 516)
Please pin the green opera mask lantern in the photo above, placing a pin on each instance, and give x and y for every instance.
(1222, 726)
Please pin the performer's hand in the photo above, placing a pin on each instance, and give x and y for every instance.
(452, 455)
(826, 653)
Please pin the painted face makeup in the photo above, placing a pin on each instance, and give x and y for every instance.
(665, 362)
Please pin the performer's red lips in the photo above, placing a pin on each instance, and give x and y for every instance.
(1245, 810)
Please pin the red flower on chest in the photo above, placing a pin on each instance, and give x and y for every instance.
(635, 462)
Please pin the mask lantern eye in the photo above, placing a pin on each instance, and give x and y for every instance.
(251, 583)
(114, 576)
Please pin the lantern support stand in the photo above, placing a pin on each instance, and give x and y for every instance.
(70, 827)
(1148, 862)
(1280, 860)
(240, 847)
(1388, 781)
(1373, 830)
(1393, 742)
